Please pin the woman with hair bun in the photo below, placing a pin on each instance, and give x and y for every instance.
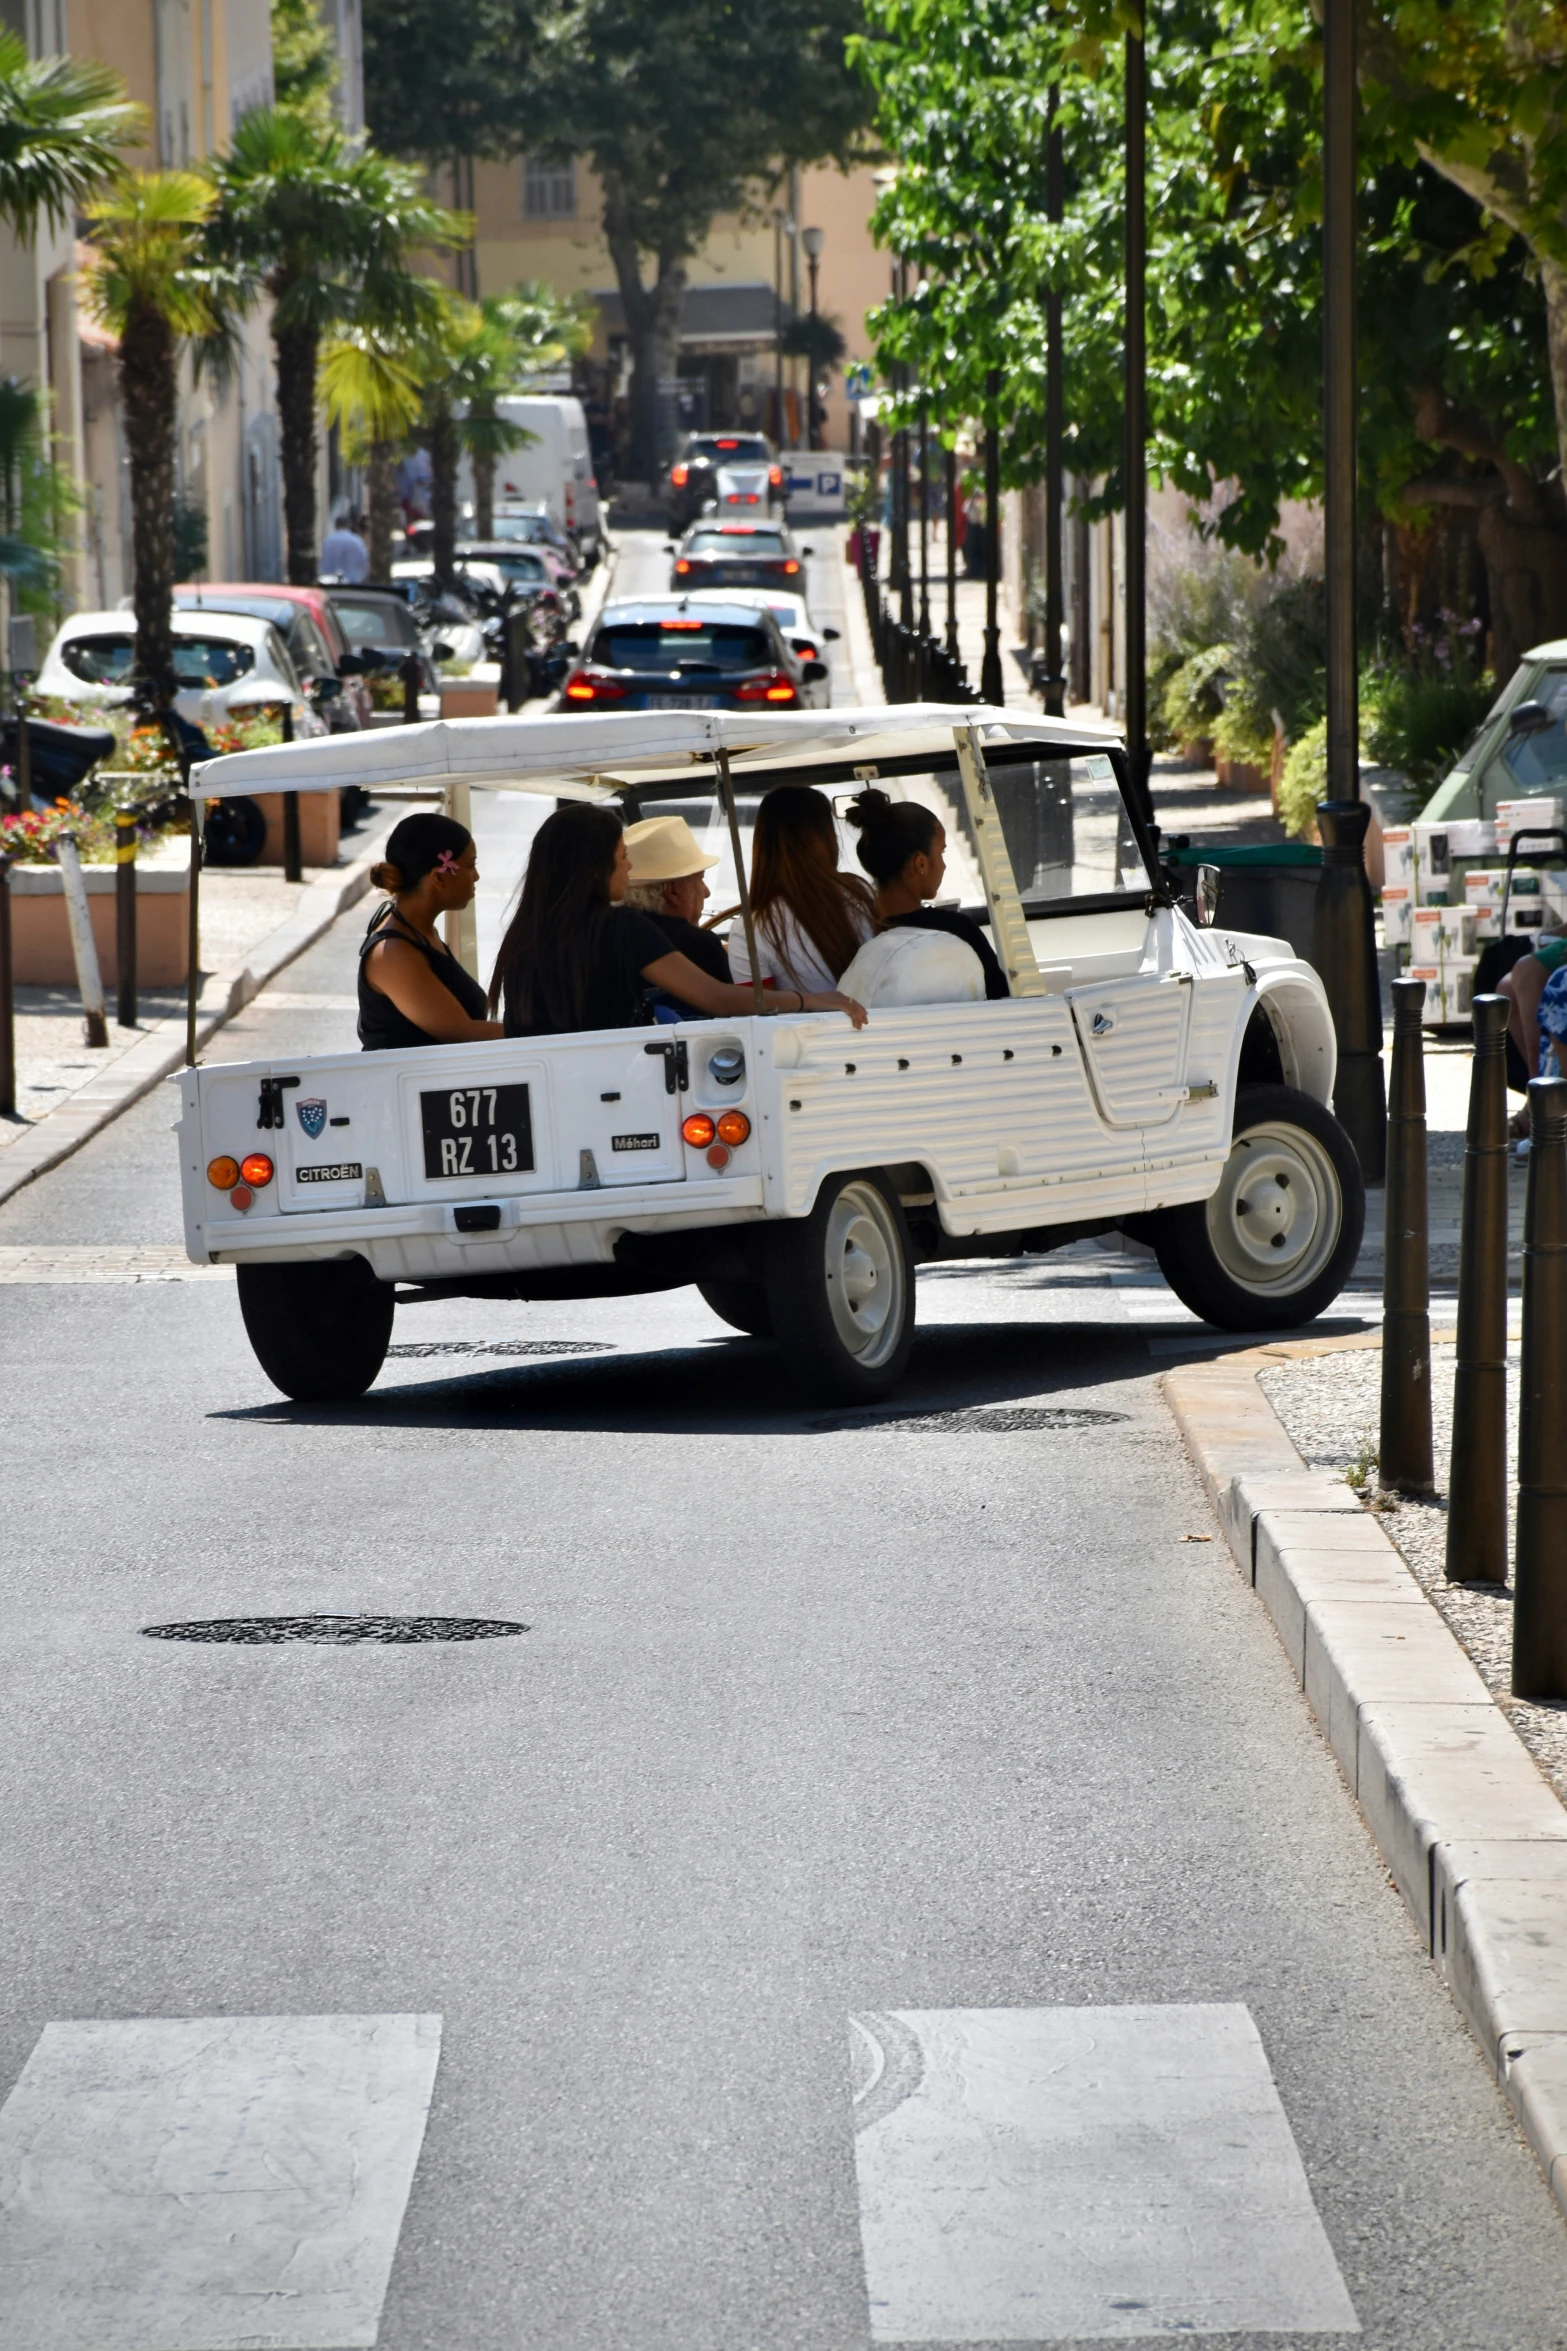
(412, 989)
(903, 847)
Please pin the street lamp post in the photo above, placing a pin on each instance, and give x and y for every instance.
(813, 240)
(1135, 460)
(782, 226)
(1055, 581)
(1344, 943)
(952, 549)
(924, 517)
(991, 685)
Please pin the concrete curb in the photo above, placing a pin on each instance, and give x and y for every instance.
(1472, 1835)
(162, 1050)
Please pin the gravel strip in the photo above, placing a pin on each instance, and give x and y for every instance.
(1331, 1406)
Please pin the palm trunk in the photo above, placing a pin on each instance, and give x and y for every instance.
(296, 402)
(441, 441)
(149, 385)
(381, 495)
(484, 497)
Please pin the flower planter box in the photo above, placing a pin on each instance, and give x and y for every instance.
(319, 813)
(475, 696)
(1240, 776)
(41, 935)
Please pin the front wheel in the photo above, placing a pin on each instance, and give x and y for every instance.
(1278, 1239)
(840, 1287)
(320, 1330)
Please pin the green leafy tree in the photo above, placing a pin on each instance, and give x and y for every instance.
(370, 389)
(687, 111)
(63, 122)
(445, 78)
(304, 63)
(325, 228)
(149, 281)
(522, 333)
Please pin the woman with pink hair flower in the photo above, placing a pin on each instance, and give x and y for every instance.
(412, 989)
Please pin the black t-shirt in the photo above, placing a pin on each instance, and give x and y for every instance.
(957, 926)
(626, 942)
(702, 948)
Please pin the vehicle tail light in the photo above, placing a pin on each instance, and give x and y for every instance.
(699, 1130)
(807, 652)
(682, 565)
(718, 1156)
(223, 1173)
(586, 685)
(256, 1169)
(733, 1127)
(790, 567)
(772, 686)
(679, 475)
(775, 477)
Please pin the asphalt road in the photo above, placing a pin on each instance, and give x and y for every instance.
(811, 1719)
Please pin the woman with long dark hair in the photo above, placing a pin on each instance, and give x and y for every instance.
(575, 957)
(412, 989)
(903, 847)
(810, 919)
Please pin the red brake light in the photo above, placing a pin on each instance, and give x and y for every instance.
(682, 565)
(586, 685)
(775, 477)
(698, 1130)
(682, 624)
(257, 1170)
(679, 475)
(726, 444)
(772, 686)
(790, 566)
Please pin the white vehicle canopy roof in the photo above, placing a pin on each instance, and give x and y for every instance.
(593, 755)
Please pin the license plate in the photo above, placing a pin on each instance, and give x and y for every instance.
(477, 1131)
(682, 702)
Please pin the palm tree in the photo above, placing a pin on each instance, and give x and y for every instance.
(322, 225)
(540, 328)
(148, 282)
(63, 121)
(370, 389)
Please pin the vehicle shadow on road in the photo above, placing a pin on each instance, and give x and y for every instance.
(739, 1387)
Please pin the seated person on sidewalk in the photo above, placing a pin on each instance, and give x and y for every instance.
(903, 847)
(666, 884)
(412, 989)
(809, 918)
(576, 957)
(1523, 987)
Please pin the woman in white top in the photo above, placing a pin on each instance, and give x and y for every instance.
(810, 919)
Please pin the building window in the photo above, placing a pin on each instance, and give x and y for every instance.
(549, 189)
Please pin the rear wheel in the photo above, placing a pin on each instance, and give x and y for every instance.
(1278, 1239)
(840, 1285)
(743, 1305)
(320, 1330)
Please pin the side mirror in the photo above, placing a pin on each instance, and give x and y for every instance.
(1208, 878)
(832, 635)
(814, 672)
(807, 550)
(670, 548)
(326, 689)
(441, 650)
(351, 666)
(1529, 718)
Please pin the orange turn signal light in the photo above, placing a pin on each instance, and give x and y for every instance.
(733, 1127)
(257, 1169)
(223, 1173)
(699, 1130)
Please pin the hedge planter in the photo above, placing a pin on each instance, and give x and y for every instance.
(41, 936)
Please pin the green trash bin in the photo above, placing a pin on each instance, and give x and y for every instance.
(1264, 886)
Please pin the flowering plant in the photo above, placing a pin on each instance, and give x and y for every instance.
(30, 836)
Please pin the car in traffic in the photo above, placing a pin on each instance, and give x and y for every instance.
(669, 653)
(226, 665)
(308, 626)
(721, 554)
(692, 482)
(537, 567)
(1146, 1073)
(800, 633)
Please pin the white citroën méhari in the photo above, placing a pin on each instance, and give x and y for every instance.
(1149, 1073)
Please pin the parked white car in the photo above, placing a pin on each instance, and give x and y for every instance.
(800, 632)
(225, 664)
(1146, 1074)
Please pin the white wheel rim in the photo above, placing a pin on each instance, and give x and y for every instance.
(866, 1278)
(1276, 1217)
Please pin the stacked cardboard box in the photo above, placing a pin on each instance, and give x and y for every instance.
(1485, 888)
(1525, 816)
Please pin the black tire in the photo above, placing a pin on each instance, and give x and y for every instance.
(235, 833)
(743, 1305)
(840, 1285)
(1272, 1261)
(320, 1331)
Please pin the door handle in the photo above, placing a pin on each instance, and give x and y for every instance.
(1101, 1024)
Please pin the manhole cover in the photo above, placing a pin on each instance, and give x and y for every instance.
(423, 1347)
(1001, 1420)
(338, 1632)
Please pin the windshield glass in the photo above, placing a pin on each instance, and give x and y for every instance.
(532, 570)
(1538, 762)
(670, 645)
(198, 661)
(375, 623)
(1066, 829)
(742, 544)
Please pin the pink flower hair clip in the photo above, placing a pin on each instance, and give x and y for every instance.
(446, 862)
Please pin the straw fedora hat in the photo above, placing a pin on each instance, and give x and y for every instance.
(664, 849)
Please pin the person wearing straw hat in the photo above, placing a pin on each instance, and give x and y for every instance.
(667, 869)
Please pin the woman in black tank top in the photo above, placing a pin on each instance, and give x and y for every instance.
(412, 989)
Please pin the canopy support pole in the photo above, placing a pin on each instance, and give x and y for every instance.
(462, 925)
(1008, 922)
(193, 930)
(726, 786)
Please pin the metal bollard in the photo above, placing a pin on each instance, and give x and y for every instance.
(1344, 952)
(1540, 1537)
(7, 999)
(1405, 1461)
(1477, 1468)
(293, 860)
(410, 689)
(125, 915)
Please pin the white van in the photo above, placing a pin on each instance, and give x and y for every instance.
(554, 469)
